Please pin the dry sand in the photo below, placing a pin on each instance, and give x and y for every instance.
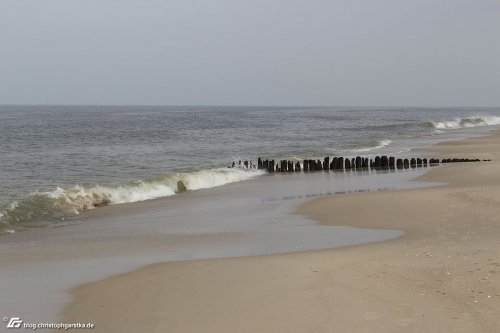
(441, 276)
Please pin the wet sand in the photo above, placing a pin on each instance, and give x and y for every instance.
(255, 217)
(440, 276)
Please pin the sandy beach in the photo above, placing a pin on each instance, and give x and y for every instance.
(440, 276)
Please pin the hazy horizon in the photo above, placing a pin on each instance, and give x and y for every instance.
(264, 106)
(429, 53)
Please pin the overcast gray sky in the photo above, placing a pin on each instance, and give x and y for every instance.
(253, 52)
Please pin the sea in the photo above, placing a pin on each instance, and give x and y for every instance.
(58, 161)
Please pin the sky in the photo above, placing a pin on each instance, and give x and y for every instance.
(252, 52)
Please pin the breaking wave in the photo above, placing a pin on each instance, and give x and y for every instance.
(468, 122)
(66, 202)
(380, 144)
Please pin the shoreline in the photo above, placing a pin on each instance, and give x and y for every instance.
(440, 275)
(240, 219)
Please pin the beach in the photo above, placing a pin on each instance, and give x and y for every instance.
(441, 275)
(237, 166)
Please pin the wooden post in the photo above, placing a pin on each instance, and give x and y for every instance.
(326, 163)
(385, 162)
(347, 164)
(399, 163)
(333, 164)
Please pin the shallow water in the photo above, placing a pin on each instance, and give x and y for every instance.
(252, 214)
(254, 217)
(57, 161)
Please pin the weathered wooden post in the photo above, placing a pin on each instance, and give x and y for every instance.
(419, 162)
(406, 163)
(312, 165)
(326, 163)
(385, 162)
(297, 167)
(392, 162)
(318, 165)
(333, 164)
(378, 162)
(399, 163)
(358, 162)
(347, 164)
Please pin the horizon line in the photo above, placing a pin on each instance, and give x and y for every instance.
(256, 105)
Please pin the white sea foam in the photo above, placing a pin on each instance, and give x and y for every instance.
(468, 122)
(381, 144)
(78, 198)
(85, 198)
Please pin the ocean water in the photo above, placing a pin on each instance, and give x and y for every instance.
(57, 161)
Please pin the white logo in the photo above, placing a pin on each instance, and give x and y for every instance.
(14, 322)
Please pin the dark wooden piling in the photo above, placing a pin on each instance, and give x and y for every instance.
(406, 163)
(359, 162)
(340, 163)
(297, 167)
(333, 163)
(378, 162)
(283, 166)
(312, 165)
(384, 162)
(392, 162)
(319, 165)
(399, 163)
(290, 166)
(419, 162)
(326, 163)
(347, 164)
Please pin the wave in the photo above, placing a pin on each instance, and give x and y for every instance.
(468, 122)
(66, 202)
(380, 144)
(376, 145)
